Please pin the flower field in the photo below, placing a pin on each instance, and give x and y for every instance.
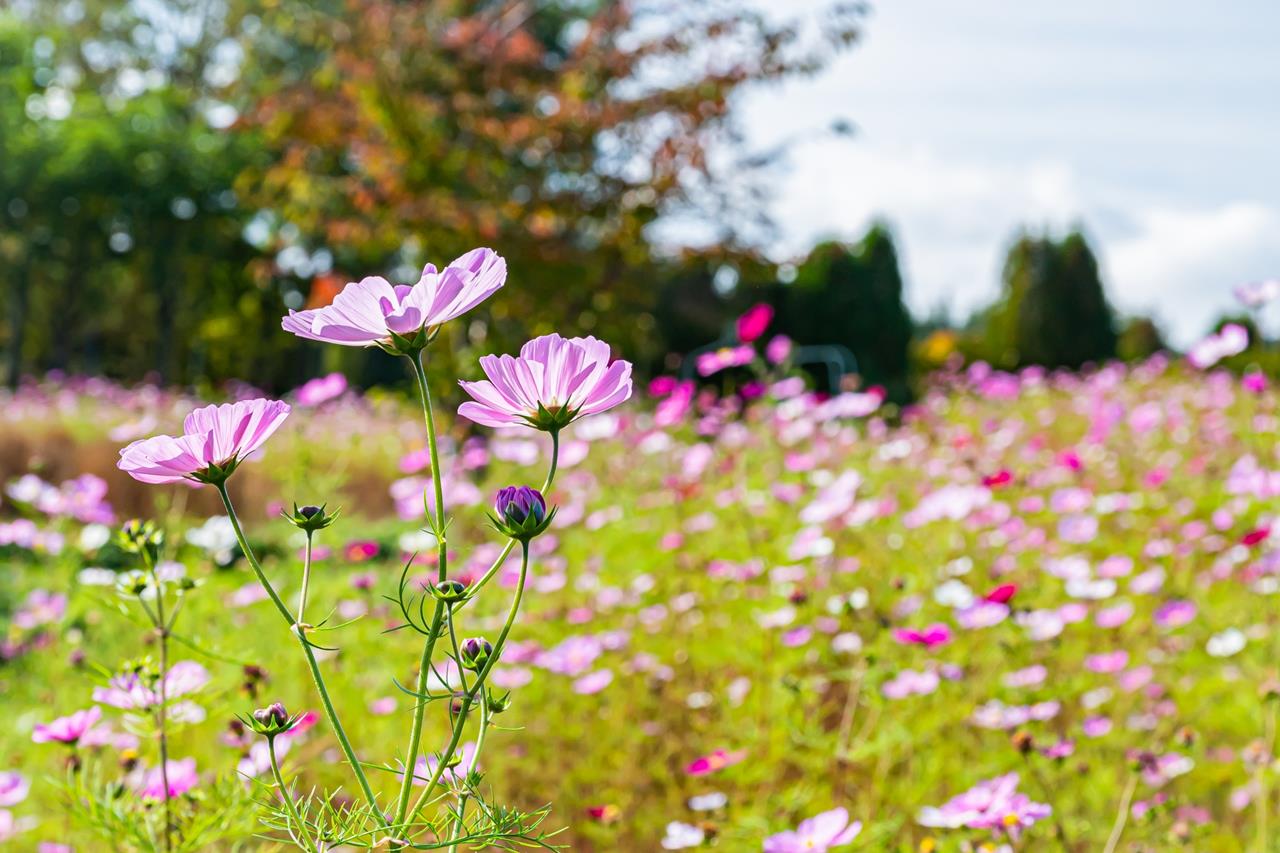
(1029, 612)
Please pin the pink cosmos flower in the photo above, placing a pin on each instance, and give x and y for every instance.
(709, 363)
(1255, 294)
(817, 834)
(672, 409)
(994, 804)
(717, 760)
(182, 778)
(1174, 614)
(551, 383)
(778, 349)
(935, 635)
(593, 682)
(910, 683)
(753, 323)
(322, 389)
(1232, 340)
(425, 767)
(67, 729)
(127, 691)
(1109, 662)
(367, 312)
(213, 437)
(41, 607)
(1002, 594)
(14, 788)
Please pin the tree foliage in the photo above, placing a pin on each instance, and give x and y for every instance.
(1053, 311)
(852, 295)
(174, 174)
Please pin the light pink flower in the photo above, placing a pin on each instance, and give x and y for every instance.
(426, 765)
(1232, 340)
(14, 788)
(67, 729)
(127, 691)
(552, 382)
(819, 833)
(593, 682)
(321, 389)
(994, 804)
(182, 778)
(712, 362)
(367, 312)
(910, 683)
(218, 436)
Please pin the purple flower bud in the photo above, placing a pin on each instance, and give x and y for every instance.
(516, 504)
(273, 714)
(475, 652)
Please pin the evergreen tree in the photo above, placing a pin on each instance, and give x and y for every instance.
(852, 295)
(1055, 312)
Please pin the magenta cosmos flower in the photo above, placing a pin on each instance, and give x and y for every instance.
(818, 833)
(215, 440)
(551, 383)
(371, 311)
(68, 729)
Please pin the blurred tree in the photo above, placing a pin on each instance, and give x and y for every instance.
(559, 132)
(175, 173)
(852, 295)
(1140, 339)
(120, 229)
(1053, 311)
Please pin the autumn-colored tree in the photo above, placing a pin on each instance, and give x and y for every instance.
(557, 132)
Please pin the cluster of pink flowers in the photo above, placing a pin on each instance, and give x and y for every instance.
(995, 804)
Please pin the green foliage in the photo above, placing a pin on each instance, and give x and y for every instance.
(218, 816)
(1054, 311)
(144, 228)
(852, 295)
(1139, 339)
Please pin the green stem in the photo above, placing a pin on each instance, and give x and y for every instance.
(287, 796)
(442, 562)
(481, 677)
(555, 461)
(485, 719)
(306, 580)
(330, 713)
(457, 653)
(428, 415)
(161, 717)
(1122, 814)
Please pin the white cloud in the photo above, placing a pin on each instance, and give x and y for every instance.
(954, 221)
(1145, 122)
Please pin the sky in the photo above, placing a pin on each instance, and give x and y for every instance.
(1153, 124)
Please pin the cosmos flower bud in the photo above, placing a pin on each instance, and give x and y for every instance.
(475, 653)
(498, 704)
(521, 512)
(310, 518)
(449, 591)
(141, 537)
(273, 713)
(271, 720)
